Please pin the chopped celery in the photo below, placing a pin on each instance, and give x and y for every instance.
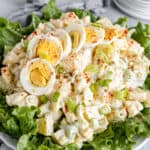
(96, 24)
(101, 55)
(55, 96)
(99, 83)
(92, 68)
(122, 94)
(104, 52)
(103, 82)
(60, 69)
(43, 99)
(71, 105)
(93, 88)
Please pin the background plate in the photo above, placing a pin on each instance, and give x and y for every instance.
(139, 9)
(21, 15)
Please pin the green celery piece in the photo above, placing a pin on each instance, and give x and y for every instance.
(93, 88)
(104, 52)
(43, 99)
(96, 24)
(55, 96)
(92, 68)
(103, 82)
(122, 94)
(71, 105)
(59, 69)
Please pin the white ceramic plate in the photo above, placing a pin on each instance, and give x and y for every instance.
(140, 143)
(138, 10)
(20, 16)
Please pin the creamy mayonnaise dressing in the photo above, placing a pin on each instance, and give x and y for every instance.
(81, 75)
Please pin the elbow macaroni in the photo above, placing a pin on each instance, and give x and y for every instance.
(77, 66)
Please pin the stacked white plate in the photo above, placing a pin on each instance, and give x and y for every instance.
(135, 8)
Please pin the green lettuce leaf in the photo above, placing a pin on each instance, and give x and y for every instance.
(51, 11)
(33, 21)
(142, 36)
(9, 35)
(20, 122)
(8, 123)
(25, 117)
(122, 135)
(12, 32)
(147, 83)
(82, 13)
(6, 23)
(17, 120)
(122, 21)
(40, 142)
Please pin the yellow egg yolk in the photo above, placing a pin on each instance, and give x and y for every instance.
(48, 50)
(42, 126)
(91, 35)
(110, 33)
(39, 74)
(75, 37)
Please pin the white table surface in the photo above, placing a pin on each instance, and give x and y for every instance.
(9, 6)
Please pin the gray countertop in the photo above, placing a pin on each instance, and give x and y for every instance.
(9, 6)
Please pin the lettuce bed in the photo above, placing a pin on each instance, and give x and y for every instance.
(19, 122)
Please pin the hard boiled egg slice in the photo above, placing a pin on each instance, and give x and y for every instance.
(77, 34)
(38, 77)
(46, 124)
(45, 47)
(65, 41)
(93, 36)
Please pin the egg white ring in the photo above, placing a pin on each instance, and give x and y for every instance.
(101, 38)
(31, 53)
(108, 41)
(32, 89)
(64, 36)
(81, 30)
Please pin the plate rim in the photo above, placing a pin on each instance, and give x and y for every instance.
(133, 14)
(143, 141)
